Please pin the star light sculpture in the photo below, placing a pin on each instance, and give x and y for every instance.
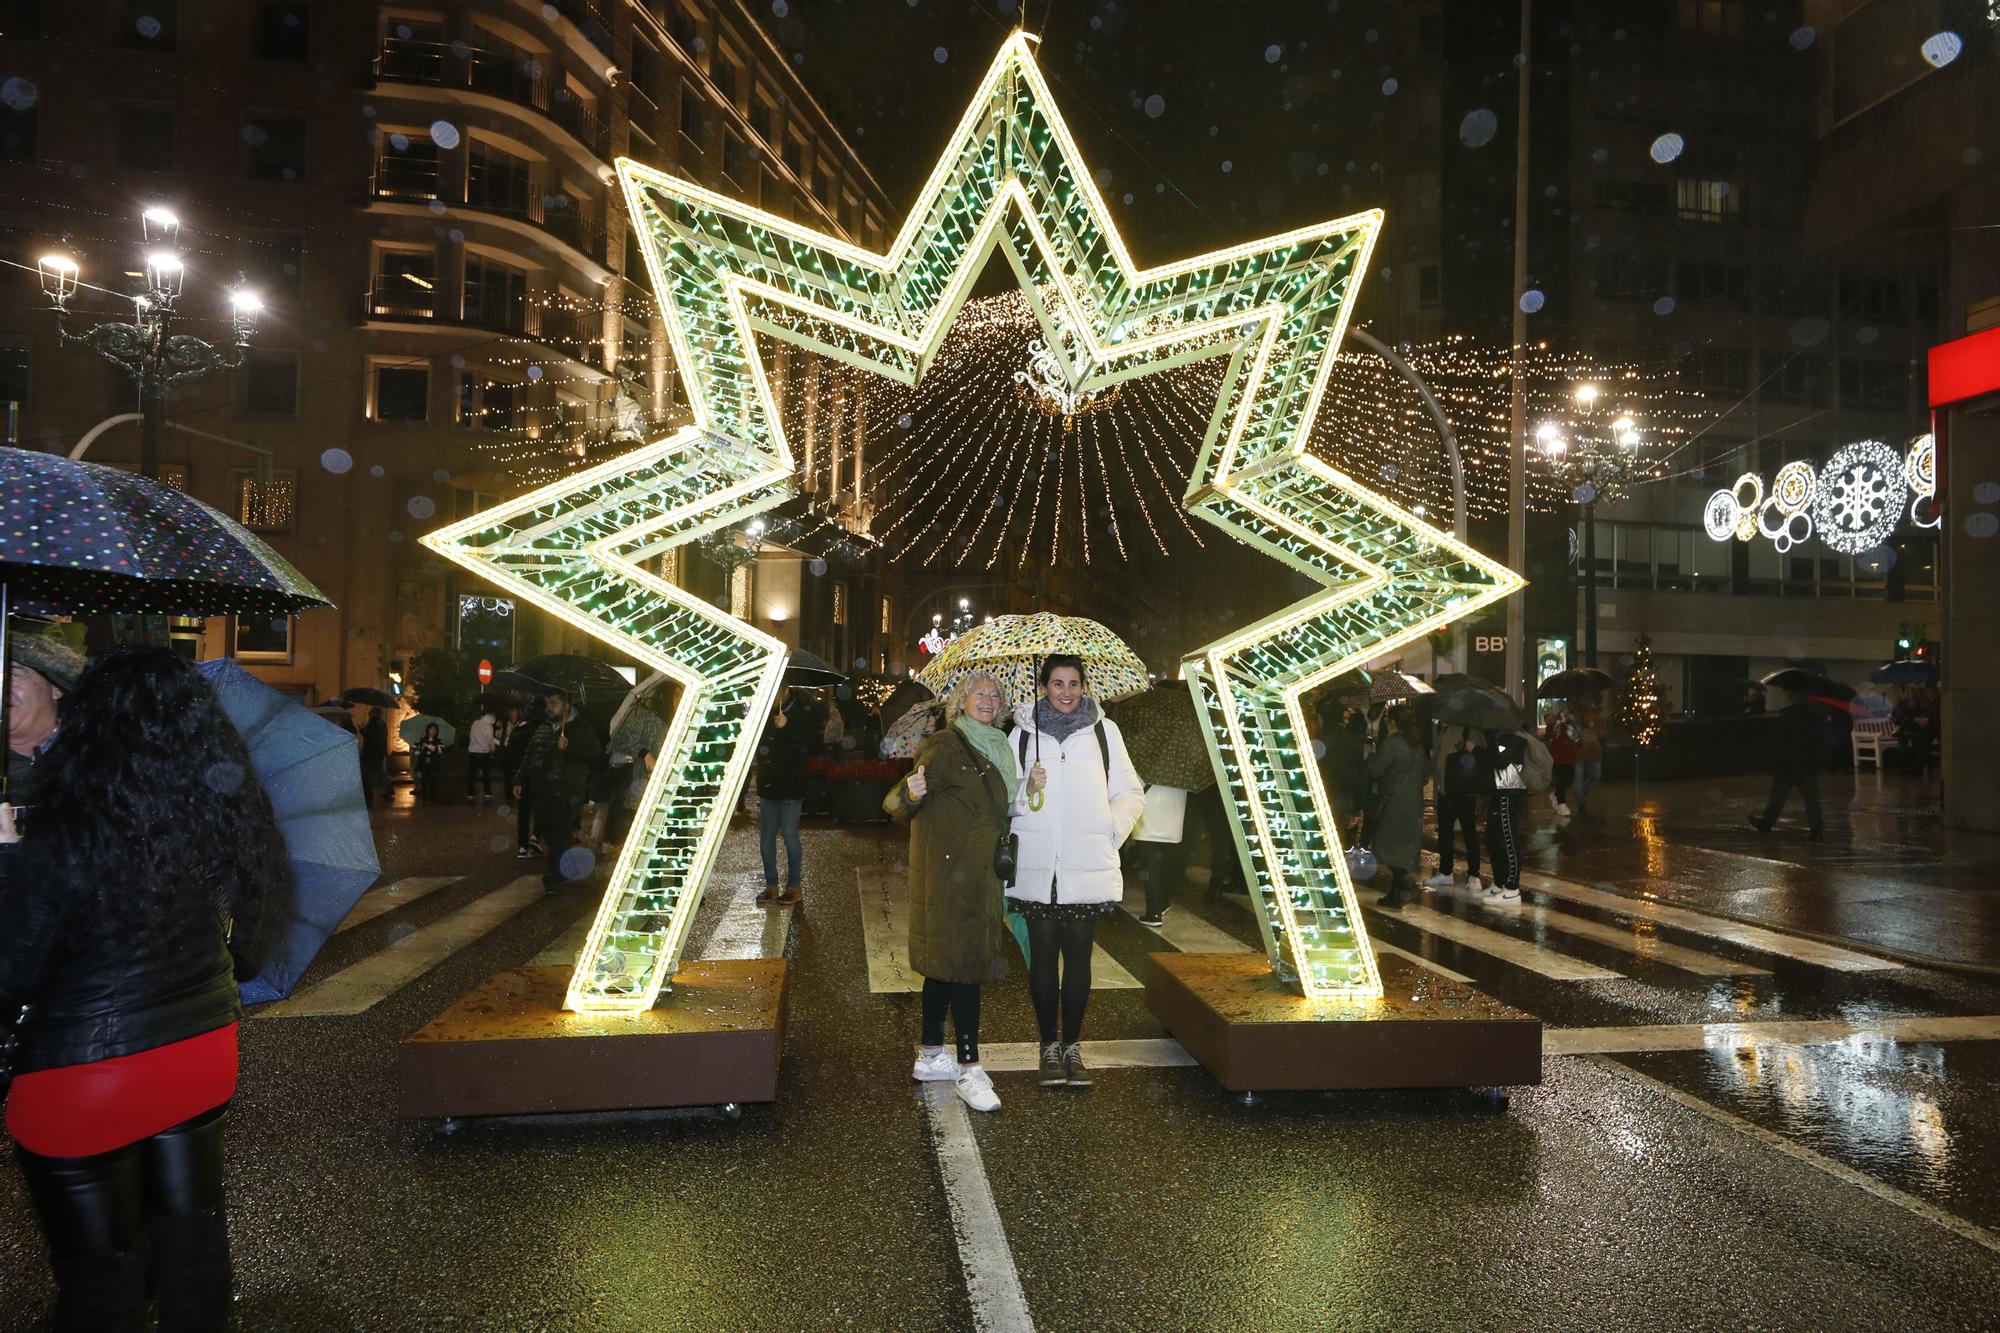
(1010, 179)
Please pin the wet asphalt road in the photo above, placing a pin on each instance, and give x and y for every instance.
(1155, 1200)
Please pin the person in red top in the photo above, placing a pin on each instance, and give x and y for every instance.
(151, 840)
(1560, 734)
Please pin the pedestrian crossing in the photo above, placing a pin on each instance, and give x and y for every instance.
(389, 897)
(885, 934)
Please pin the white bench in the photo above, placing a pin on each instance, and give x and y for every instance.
(1871, 735)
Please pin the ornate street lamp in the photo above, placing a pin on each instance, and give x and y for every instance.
(147, 349)
(1595, 453)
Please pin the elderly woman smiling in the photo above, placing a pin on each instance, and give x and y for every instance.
(956, 802)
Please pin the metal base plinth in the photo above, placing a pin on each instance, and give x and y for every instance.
(1254, 1033)
(510, 1048)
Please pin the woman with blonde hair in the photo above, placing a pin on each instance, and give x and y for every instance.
(956, 802)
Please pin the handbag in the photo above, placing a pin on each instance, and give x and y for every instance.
(1006, 848)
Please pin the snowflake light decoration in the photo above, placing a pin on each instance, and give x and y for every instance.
(1861, 496)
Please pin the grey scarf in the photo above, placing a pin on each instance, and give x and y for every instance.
(1059, 727)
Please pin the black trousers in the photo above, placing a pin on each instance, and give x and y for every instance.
(480, 766)
(1503, 837)
(1781, 787)
(524, 816)
(147, 1216)
(1160, 866)
(961, 1000)
(1455, 813)
(555, 824)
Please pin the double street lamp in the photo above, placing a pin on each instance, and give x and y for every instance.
(148, 349)
(1595, 454)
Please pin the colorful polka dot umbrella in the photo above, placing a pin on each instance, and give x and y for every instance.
(1012, 648)
(81, 538)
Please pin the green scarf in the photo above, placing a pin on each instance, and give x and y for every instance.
(991, 742)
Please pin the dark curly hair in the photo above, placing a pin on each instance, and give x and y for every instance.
(149, 803)
(1054, 660)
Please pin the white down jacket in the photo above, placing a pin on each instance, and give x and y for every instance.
(1069, 848)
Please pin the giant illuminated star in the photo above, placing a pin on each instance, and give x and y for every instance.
(1010, 179)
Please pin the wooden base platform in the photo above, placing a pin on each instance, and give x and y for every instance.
(510, 1048)
(1256, 1034)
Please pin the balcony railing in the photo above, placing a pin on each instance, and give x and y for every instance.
(393, 296)
(423, 179)
(495, 74)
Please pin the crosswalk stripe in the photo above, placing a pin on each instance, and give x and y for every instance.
(1700, 923)
(1242, 903)
(885, 936)
(1012, 1057)
(1644, 1037)
(1186, 931)
(356, 989)
(1533, 957)
(1640, 945)
(388, 897)
(746, 928)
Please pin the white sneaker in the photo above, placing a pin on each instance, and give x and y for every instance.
(1472, 883)
(1438, 881)
(1510, 895)
(940, 1066)
(1495, 891)
(1562, 810)
(975, 1089)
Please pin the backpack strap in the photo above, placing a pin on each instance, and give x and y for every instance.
(1104, 749)
(1021, 739)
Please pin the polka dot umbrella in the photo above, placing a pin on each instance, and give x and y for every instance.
(1012, 648)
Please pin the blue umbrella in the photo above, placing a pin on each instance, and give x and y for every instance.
(312, 771)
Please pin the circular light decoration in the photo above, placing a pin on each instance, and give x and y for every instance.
(1720, 516)
(1793, 490)
(1746, 525)
(1798, 529)
(1924, 512)
(1921, 465)
(1861, 494)
(1749, 491)
(1771, 518)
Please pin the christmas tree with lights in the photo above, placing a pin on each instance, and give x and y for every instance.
(1638, 710)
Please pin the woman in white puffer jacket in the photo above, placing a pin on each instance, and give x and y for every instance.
(1079, 802)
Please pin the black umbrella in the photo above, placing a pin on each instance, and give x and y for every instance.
(516, 683)
(369, 695)
(1576, 683)
(1812, 687)
(808, 671)
(1453, 681)
(902, 699)
(581, 678)
(1480, 707)
(1905, 673)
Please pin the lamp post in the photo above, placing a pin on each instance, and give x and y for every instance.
(147, 349)
(1595, 457)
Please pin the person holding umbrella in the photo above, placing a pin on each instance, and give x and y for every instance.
(560, 762)
(1796, 758)
(43, 670)
(375, 758)
(153, 844)
(1398, 768)
(1080, 801)
(781, 789)
(426, 758)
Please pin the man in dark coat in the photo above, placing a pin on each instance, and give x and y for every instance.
(374, 757)
(561, 760)
(1797, 756)
(789, 736)
(44, 668)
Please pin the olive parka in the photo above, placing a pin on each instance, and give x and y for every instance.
(958, 925)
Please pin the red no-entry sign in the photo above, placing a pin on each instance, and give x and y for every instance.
(485, 672)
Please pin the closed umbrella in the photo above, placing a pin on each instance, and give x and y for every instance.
(311, 769)
(907, 732)
(1013, 647)
(1163, 734)
(412, 729)
(1576, 683)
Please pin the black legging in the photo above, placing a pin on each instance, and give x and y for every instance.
(1071, 942)
(1456, 813)
(961, 998)
(1503, 837)
(96, 1211)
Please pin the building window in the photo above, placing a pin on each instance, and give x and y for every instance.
(266, 506)
(485, 404)
(13, 373)
(645, 73)
(1870, 298)
(1717, 371)
(1712, 18)
(763, 118)
(151, 25)
(1634, 273)
(690, 116)
(840, 603)
(271, 387)
(770, 192)
(276, 263)
(1875, 386)
(274, 146)
(728, 76)
(1789, 378)
(741, 601)
(405, 284)
(407, 167)
(262, 638)
(283, 29)
(20, 132)
(496, 294)
(1708, 200)
(145, 137)
(1429, 289)
(1623, 196)
(1790, 292)
(888, 616)
(21, 19)
(734, 163)
(682, 28)
(496, 179)
(402, 393)
(823, 185)
(1711, 282)
(795, 159)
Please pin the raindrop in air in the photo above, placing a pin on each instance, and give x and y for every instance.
(779, 9)
(1667, 147)
(1228, 166)
(18, 93)
(1156, 106)
(1584, 494)
(1664, 306)
(254, 135)
(1803, 38)
(1361, 864)
(421, 506)
(1600, 154)
(223, 777)
(576, 863)
(1809, 330)
(1389, 87)
(1982, 525)
(906, 421)
(1273, 54)
(1478, 128)
(1867, 334)
(399, 141)
(534, 372)
(444, 134)
(1986, 493)
(1532, 300)
(148, 26)
(940, 55)
(376, 471)
(817, 566)
(336, 460)
(1941, 48)
(440, 476)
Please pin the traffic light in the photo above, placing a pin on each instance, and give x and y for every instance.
(1903, 646)
(396, 676)
(1925, 651)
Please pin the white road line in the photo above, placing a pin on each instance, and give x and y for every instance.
(388, 897)
(1013, 1057)
(1909, 1203)
(1544, 962)
(1383, 946)
(992, 1283)
(1634, 939)
(746, 928)
(1700, 923)
(885, 936)
(375, 978)
(1643, 1037)
(1186, 931)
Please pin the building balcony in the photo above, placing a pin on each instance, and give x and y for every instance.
(423, 180)
(440, 65)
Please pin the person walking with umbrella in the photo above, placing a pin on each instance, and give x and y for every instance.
(1398, 768)
(1795, 763)
(560, 763)
(484, 740)
(1457, 783)
(788, 738)
(427, 757)
(154, 842)
(1080, 801)
(956, 802)
(375, 758)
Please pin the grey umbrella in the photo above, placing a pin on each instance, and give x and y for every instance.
(809, 671)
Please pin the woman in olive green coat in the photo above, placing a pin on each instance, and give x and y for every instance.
(956, 801)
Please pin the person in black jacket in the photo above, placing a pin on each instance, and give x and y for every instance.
(374, 758)
(561, 760)
(1797, 757)
(153, 840)
(520, 735)
(793, 732)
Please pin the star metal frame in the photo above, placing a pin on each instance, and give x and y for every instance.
(1011, 179)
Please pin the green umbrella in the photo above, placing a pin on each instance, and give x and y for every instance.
(1163, 735)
